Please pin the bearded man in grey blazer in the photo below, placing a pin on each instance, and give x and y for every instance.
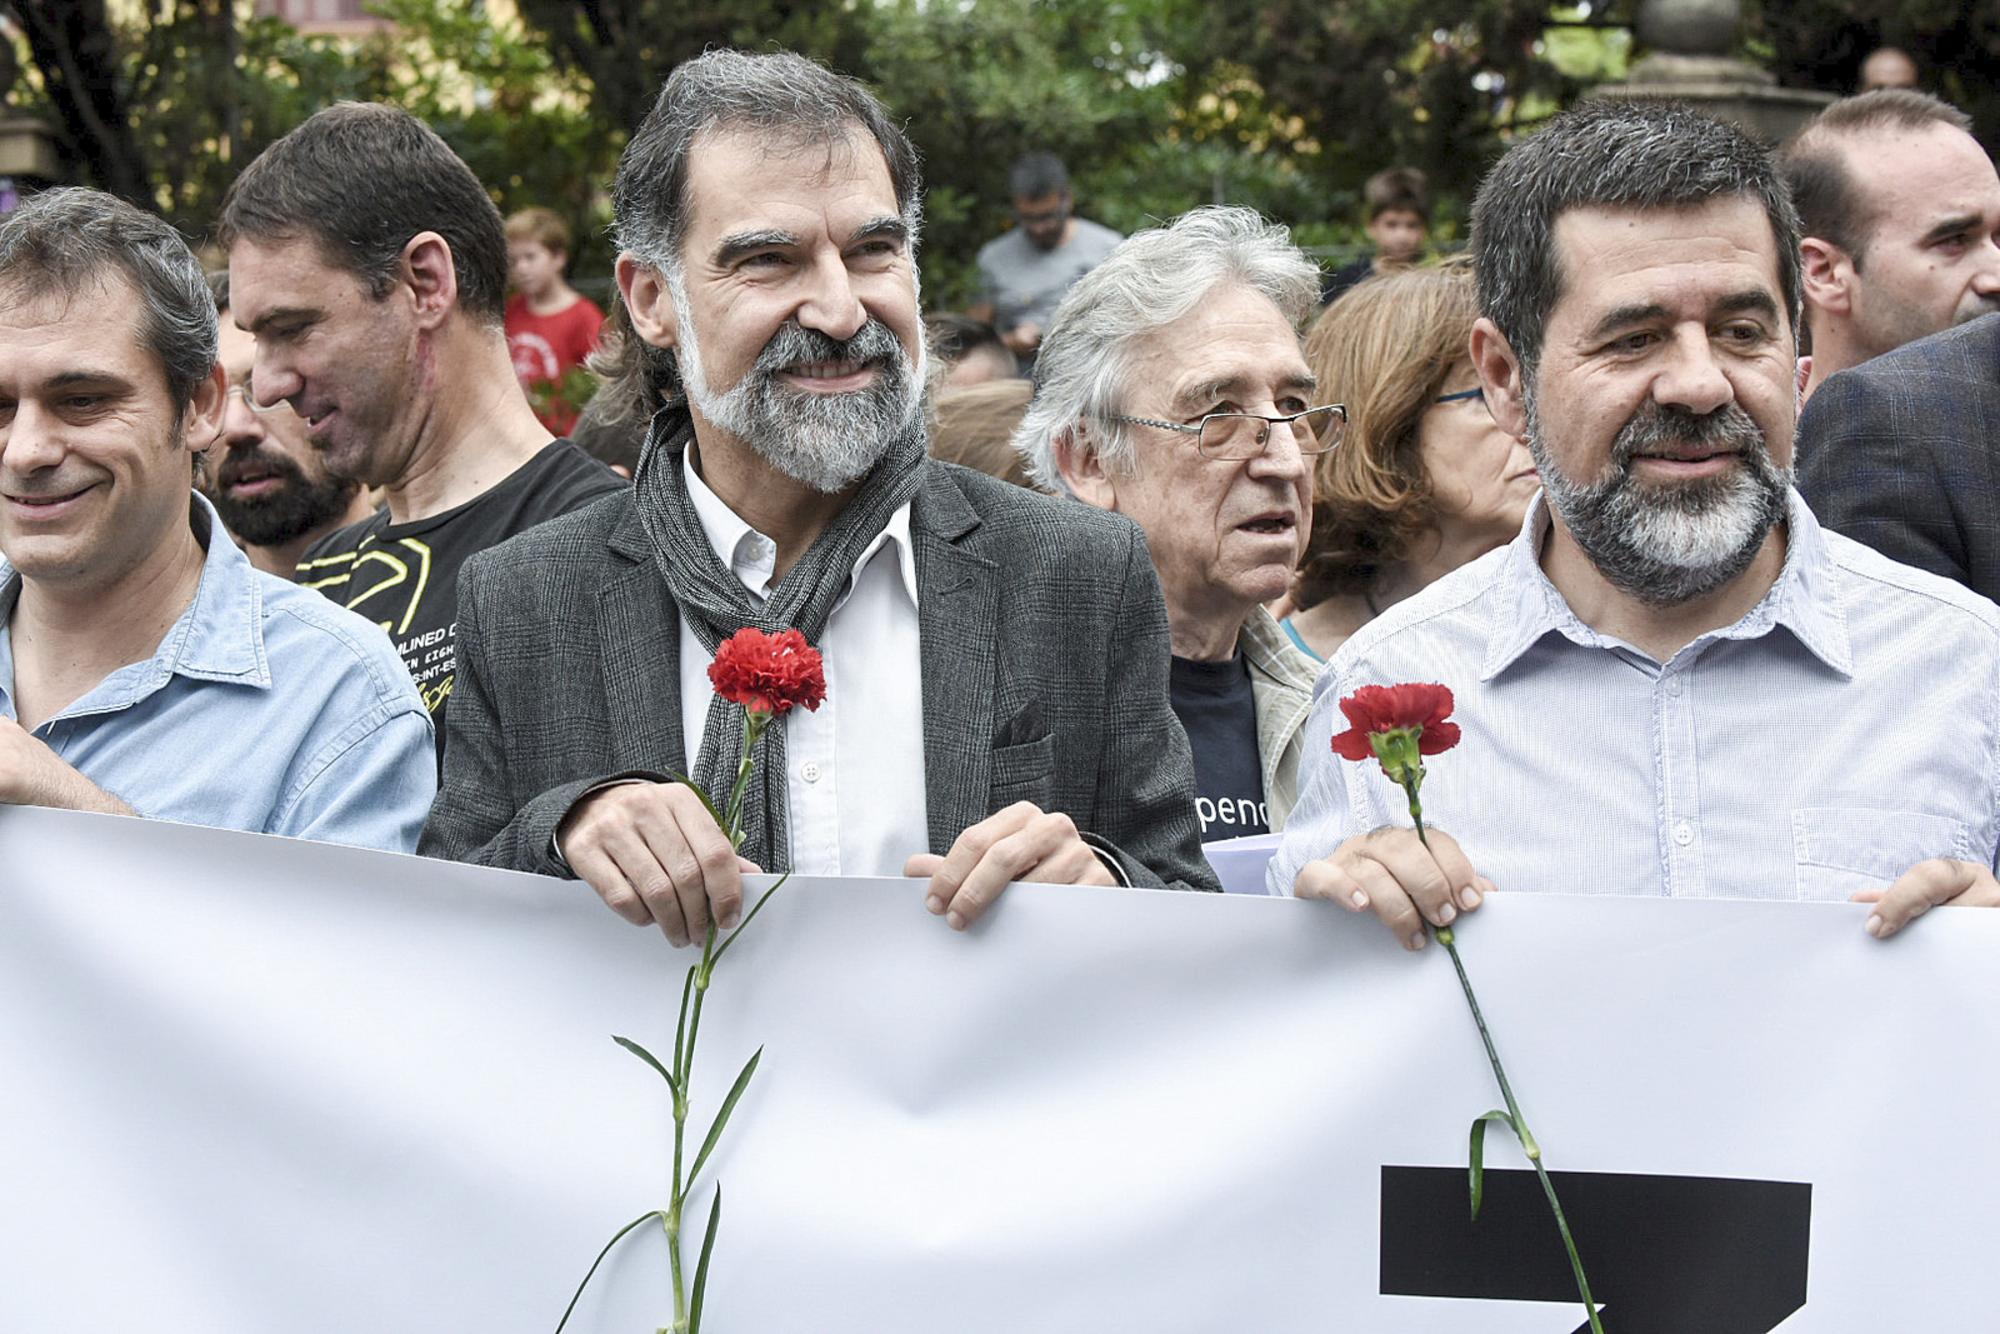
(997, 663)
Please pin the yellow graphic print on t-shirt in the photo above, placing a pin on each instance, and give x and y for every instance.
(350, 567)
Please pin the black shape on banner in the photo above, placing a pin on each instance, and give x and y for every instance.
(1665, 1255)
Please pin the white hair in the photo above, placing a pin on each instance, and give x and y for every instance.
(1151, 280)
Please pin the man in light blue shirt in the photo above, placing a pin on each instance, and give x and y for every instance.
(145, 667)
(1673, 682)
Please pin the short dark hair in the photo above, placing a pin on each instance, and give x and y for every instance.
(1610, 154)
(791, 99)
(1831, 206)
(1037, 176)
(1397, 190)
(360, 179)
(955, 337)
(67, 240)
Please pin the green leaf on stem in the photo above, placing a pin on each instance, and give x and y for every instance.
(1479, 1155)
(722, 1117)
(680, 1025)
(571, 1308)
(744, 925)
(701, 1265)
(649, 1059)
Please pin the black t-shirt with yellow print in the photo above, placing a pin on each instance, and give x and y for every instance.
(404, 577)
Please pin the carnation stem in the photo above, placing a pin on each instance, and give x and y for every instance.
(687, 1318)
(754, 724)
(1449, 940)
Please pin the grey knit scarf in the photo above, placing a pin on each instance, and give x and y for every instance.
(716, 605)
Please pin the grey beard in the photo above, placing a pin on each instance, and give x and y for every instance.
(824, 441)
(1669, 545)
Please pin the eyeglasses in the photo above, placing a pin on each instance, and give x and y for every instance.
(1477, 391)
(243, 391)
(1245, 435)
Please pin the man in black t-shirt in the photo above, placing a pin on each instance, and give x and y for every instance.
(404, 576)
(372, 268)
(1217, 705)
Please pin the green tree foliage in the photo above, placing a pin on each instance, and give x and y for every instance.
(202, 89)
(1821, 44)
(1121, 89)
(1156, 105)
(528, 125)
(627, 47)
(80, 80)
(980, 85)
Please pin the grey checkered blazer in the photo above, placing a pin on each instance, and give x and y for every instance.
(1044, 676)
(1902, 453)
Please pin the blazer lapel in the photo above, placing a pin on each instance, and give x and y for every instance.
(641, 656)
(957, 621)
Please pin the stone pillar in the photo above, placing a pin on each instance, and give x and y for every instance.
(1691, 58)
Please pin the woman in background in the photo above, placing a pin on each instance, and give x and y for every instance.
(1424, 480)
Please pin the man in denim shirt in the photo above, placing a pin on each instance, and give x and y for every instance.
(145, 667)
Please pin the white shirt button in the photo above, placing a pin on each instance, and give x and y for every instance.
(1683, 833)
(1674, 685)
(810, 771)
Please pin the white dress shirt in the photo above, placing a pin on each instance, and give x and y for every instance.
(1846, 728)
(855, 781)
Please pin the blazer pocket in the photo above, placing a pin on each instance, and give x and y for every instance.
(1839, 850)
(1024, 771)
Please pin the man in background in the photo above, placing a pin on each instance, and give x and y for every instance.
(1399, 225)
(1888, 67)
(551, 327)
(1901, 210)
(271, 489)
(1024, 273)
(1172, 390)
(371, 267)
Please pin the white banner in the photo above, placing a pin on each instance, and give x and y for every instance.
(250, 1085)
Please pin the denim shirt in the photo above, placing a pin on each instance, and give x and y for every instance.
(265, 707)
(1846, 728)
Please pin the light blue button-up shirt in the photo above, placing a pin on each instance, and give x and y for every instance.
(1845, 729)
(266, 707)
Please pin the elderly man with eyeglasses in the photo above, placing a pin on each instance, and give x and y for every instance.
(1171, 389)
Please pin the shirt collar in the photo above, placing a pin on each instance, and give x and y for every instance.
(220, 637)
(1806, 599)
(753, 557)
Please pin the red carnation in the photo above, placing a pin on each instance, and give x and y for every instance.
(1378, 710)
(769, 674)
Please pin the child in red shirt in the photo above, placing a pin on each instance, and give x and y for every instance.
(551, 327)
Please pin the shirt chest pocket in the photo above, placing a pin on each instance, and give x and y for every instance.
(1024, 772)
(1839, 851)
